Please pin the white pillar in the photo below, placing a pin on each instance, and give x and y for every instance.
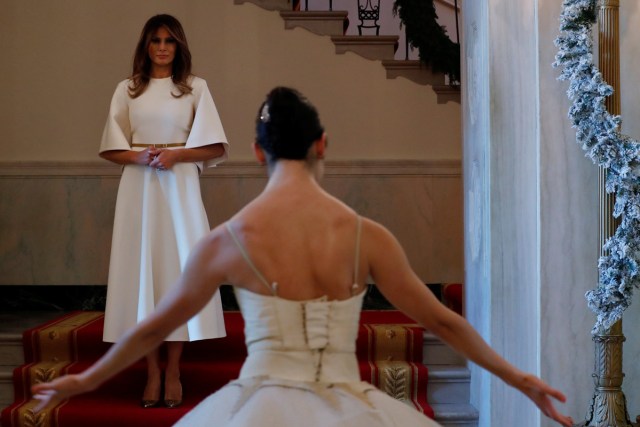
(531, 212)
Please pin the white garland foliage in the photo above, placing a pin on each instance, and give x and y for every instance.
(598, 133)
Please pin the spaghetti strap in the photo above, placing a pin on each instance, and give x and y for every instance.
(357, 254)
(246, 257)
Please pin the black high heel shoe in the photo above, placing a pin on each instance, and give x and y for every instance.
(173, 403)
(151, 403)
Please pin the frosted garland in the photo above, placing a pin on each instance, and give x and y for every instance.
(597, 132)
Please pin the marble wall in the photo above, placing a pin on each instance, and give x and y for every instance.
(56, 218)
(568, 233)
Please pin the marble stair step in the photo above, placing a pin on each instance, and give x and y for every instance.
(455, 414)
(447, 93)
(413, 70)
(438, 353)
(269, 4)
(11, 356)
(6, 388)
(448, 384)
(11, 352)
(419, 73)
(370, 47)
(323, 23)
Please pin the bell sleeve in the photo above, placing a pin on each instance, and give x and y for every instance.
(117, 131)
(207, 127)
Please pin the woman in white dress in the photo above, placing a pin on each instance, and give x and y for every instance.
(163, 127)
(298, 258)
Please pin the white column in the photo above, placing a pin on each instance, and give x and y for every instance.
(531, 218)
(630, 83)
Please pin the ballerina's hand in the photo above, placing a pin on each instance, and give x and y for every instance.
(52, 393)
(541, 393)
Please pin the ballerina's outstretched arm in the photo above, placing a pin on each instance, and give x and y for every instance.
(203, 273)
(396, 280)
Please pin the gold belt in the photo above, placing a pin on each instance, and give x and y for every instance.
(174, 144)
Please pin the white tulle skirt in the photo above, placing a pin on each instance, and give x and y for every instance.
(302, 404)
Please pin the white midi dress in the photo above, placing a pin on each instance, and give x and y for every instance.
(159, 214)
(301, 370)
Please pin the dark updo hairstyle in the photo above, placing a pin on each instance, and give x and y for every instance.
(181, 67)
(287, 125)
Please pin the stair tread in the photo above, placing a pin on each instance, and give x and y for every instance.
(454, 411)
(12, 323)
(328, 14)
(365, 39)
(11, 337)
(407, 64)
(449, 372)
(430, 338)
(447, 88)
(268, 4)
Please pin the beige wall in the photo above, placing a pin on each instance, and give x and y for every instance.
(62, 60)
(395, 151)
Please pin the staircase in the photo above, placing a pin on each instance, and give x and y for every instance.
(377, 48)
(448, 388)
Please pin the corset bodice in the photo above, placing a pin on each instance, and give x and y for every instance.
(300, 340)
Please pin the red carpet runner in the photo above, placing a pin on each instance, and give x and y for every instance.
(389, 349)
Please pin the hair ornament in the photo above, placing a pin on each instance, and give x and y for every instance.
(264, 113)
